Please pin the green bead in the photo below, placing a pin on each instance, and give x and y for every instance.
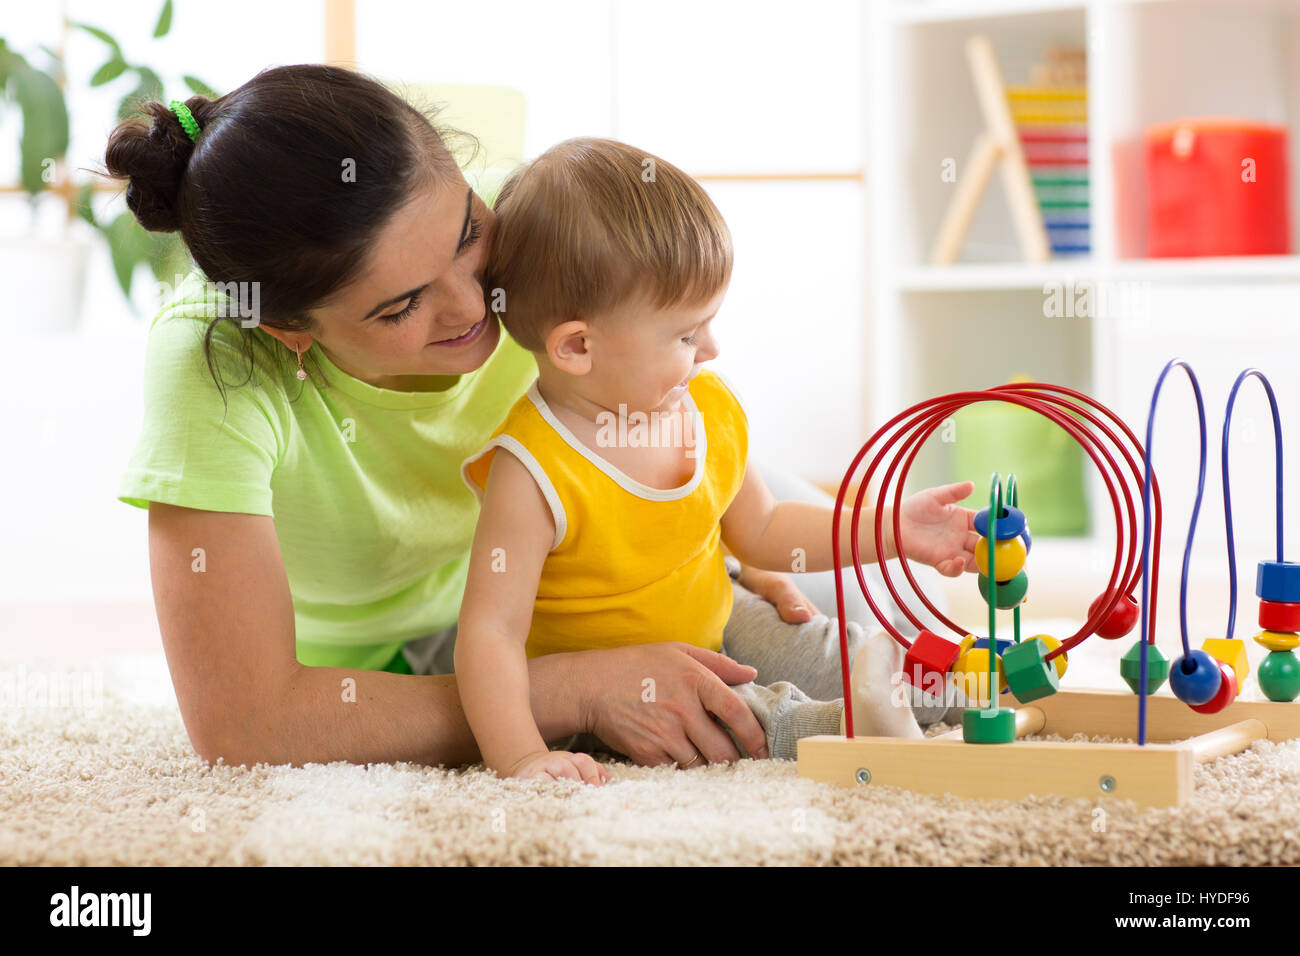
(1279, 676)
(1130, 667)
(1010, 593)
(1028, 675)
(988, 725)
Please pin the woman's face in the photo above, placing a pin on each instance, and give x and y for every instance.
(417, 312)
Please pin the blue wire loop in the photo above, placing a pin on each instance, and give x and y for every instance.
(1227, 499)
(1146, 532)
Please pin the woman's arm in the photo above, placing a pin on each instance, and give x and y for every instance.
(228, 633)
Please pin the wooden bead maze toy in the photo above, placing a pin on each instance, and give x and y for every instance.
(987, 756)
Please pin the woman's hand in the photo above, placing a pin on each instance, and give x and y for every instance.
(657, 703)
(781, 591)
(936, 531)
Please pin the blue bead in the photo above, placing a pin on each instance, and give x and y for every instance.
(983, 642)
(1010, 525)
(1194, 678)
(1029, 541)
(1278, 581)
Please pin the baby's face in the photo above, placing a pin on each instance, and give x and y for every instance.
(645, 356)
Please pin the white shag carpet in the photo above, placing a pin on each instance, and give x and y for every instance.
(114, 781)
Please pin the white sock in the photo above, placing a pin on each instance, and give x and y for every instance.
(927, 708)
(877, 710)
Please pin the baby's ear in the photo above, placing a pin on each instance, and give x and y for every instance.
(568, 346)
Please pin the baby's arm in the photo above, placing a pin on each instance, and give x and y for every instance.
(514, 534)
(766, 533)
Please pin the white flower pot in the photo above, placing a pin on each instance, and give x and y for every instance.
(42, 282)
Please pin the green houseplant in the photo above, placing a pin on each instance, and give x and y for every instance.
(38, 95)
(41, 278)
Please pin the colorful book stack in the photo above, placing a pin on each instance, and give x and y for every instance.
(1053, 125)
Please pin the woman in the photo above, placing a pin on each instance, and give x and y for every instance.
(307, 409)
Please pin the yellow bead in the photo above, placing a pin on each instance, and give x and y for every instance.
(1061, 660)
(1278, 640)
(1008, 557)
(967, 643)
(971, 675)
(1231, 651)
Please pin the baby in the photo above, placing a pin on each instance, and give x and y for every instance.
(627, 461)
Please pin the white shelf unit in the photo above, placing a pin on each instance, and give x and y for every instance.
(980, 322)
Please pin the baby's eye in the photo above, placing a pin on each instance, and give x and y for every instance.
(689, 340)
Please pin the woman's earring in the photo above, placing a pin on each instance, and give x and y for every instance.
(302, 372)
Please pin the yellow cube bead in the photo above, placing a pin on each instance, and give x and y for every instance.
(1061, 660)
(1231, 651)
(1008, 557)
(971, 675)
(1278, 640)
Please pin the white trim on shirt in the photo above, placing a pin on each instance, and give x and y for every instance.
(626, 482)
(515, 448)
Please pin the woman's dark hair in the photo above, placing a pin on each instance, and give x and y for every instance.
(292, 176)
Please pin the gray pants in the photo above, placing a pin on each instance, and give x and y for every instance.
(798, 691)
(799, 688)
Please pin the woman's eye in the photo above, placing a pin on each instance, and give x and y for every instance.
(475, 231)
(396, 317)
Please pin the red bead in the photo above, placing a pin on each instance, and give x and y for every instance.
(1279, 616)
(1123, 616)
(928, 661)
(1226, 695)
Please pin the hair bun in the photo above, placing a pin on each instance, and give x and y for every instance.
(154, 159)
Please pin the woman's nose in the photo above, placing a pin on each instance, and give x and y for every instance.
(464, 304)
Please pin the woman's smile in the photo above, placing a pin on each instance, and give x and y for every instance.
(466, 338)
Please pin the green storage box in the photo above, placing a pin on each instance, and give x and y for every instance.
(1048, 464)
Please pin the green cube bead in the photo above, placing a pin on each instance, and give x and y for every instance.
(1027, 673)
(1279, 676)
(988, 725)
(1130, 667)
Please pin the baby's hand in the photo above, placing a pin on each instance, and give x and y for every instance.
(933, 529)
(560, 764)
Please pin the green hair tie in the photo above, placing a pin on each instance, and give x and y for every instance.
(188, 122)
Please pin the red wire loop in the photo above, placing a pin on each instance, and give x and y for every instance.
(1058, 404)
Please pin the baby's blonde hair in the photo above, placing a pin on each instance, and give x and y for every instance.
(592, 223)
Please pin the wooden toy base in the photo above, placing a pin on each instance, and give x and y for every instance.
(1158, 774)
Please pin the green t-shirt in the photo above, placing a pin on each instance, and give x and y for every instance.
(363, 483)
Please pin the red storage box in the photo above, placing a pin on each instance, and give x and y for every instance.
(1205, 199)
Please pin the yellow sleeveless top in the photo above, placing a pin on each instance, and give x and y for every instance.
(630, 564)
